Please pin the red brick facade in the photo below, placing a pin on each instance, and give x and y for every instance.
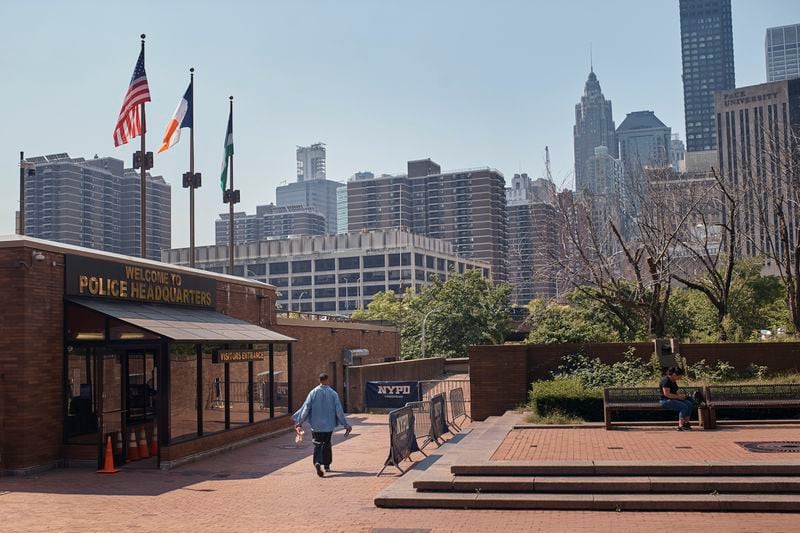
(32, 389)
(501, 375)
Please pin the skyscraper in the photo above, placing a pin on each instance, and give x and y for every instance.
(533, 238)
(594, 126)
(311, 162)
(644, 142)
(465, 207)
(782, 48)
(707, 50)
(95, 203)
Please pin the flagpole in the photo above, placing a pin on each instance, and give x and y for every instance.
(231, 197)
(143, 170)
(191, 171)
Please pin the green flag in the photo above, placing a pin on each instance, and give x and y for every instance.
(223, 178)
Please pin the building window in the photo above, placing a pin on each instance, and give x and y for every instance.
(429, 260)
(182, 391)
(324, 307)
(301, 266)
(279, 268)
(324, 265)
(325, 279)
(374, 276)
(374, 261)
(440, 264)
(328, 292)
(279, 282)
(301, 280)
(419, 260)
(349, 263)
(82, 416)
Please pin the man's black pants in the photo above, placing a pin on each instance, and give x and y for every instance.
(323, 453)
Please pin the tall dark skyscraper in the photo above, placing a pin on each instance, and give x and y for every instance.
(707, 49)
(594, 126)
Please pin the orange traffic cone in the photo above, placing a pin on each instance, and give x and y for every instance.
(144, 453)
(118, 452)
(133, 448)
(154, 442)
(108, 463)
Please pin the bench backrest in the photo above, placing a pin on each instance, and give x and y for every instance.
(631, 395)
(770, 392)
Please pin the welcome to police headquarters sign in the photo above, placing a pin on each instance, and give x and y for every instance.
(388, 394)
(120, 281)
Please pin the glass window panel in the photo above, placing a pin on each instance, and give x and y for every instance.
(374, 276)
(394, 260)
(82, 417)
(349, 263)
(374, 261)
(405, 259)
(240, 392)
(182, 391)
(301, 280)
(324, 307)
(325, 279)
(324, 265)
(213, 400)
(279, 268)
(429, 261)
(301, 266)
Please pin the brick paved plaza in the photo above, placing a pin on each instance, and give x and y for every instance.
(270, 486)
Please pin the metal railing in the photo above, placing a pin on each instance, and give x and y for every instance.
(422, 421)
(240, 393)
(430, 388)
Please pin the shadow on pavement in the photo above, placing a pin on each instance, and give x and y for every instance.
(248, 462)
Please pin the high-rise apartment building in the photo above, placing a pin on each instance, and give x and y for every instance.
(782, 49)
(341, 210)
(269, 222)
(464, 207)
(594, 126)
(678, 153)
(533, 239)
(319, 194)
(757, 128)
(607, 196)
(707, 50)
(95, 203)
(311, 162)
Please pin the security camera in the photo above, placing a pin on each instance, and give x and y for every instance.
(38, 256)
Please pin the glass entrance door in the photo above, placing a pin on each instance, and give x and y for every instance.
(112, 408)
(141, 389)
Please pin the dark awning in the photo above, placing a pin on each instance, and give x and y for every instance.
(183, 324)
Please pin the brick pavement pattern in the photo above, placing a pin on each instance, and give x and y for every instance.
(271, 486)
(643, 444)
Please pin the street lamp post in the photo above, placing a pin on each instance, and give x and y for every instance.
(424, 322)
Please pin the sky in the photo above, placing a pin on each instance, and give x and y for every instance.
(467, 83)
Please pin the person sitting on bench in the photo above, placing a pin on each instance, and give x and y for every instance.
(670, 399)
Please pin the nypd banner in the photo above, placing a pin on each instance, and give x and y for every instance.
(391, 394)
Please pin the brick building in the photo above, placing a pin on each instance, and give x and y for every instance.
(97, 346)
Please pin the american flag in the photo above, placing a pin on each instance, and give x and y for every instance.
(129, 123)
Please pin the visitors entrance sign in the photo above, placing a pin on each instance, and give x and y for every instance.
(237, 356)
(96, 278)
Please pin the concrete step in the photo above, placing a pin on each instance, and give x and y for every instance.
(612, 484)
(627, 468)
(594, 502)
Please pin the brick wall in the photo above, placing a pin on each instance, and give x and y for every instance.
(319, 348)
(501, 375)
(412, 370)
(31, 358)
(497, 379)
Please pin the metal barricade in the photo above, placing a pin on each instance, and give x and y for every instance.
(458, 407)
(430, 388)
(422, 421)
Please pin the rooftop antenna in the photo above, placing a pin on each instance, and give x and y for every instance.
(591, 58)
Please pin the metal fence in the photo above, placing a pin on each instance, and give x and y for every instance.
(240, 393)
(430, 388)
(422, 422)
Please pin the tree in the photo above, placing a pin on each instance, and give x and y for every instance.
(581, 320)
(463, 311)
(711, 244)
(622, 247)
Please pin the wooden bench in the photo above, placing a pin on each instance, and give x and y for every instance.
(775, 396)
(641, 399)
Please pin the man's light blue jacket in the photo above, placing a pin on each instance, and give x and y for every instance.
(322, 409)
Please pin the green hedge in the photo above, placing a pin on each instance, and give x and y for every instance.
(566, 396)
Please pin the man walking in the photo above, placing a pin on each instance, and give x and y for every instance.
(323, 410)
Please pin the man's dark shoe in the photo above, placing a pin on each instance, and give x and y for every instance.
(327, 468)
(318, 466)
(682, 428)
